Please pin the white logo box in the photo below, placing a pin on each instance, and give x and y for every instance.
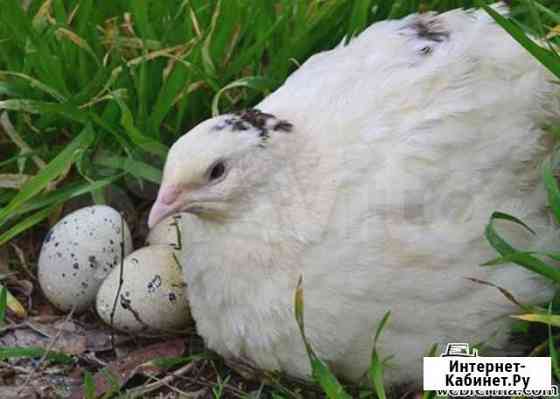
(459, 372)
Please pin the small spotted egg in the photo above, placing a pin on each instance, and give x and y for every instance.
(79, 252)
(167, 232)
(152, 297)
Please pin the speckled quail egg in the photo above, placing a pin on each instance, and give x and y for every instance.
(79, 252)
(167, 232)
(152, 297)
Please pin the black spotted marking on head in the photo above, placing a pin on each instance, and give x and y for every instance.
(431, 29)
(255, 117)
(49, 236)
(263, 122)
(283, 126)
(427, 50)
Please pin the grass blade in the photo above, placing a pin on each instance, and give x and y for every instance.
(3, 304)
(136, 168)
(172, 362)
(254, 82)
(34, 83)
(549, 319)
(375, 371)
(34, 352)
(65, 193)
(321, 373)
(89, 386)
(13, 304)
(522, 258)
(45, 108)
(146, 143)
(141, 15)
(53, 169)
(552, 189)
(552, 348)
(359, 17)
(545, 57)
(25, 224)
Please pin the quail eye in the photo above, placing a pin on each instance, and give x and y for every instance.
(217, 171)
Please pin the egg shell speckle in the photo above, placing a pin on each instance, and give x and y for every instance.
(167, 232)
(78, 253)
(152, 297)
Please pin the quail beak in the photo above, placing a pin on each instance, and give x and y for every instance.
(167, 203)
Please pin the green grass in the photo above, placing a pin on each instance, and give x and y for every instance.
(3, 304)
(92, 94)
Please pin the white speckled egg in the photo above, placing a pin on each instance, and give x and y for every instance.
(167, 232)
(152, 297)
(79, 252)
